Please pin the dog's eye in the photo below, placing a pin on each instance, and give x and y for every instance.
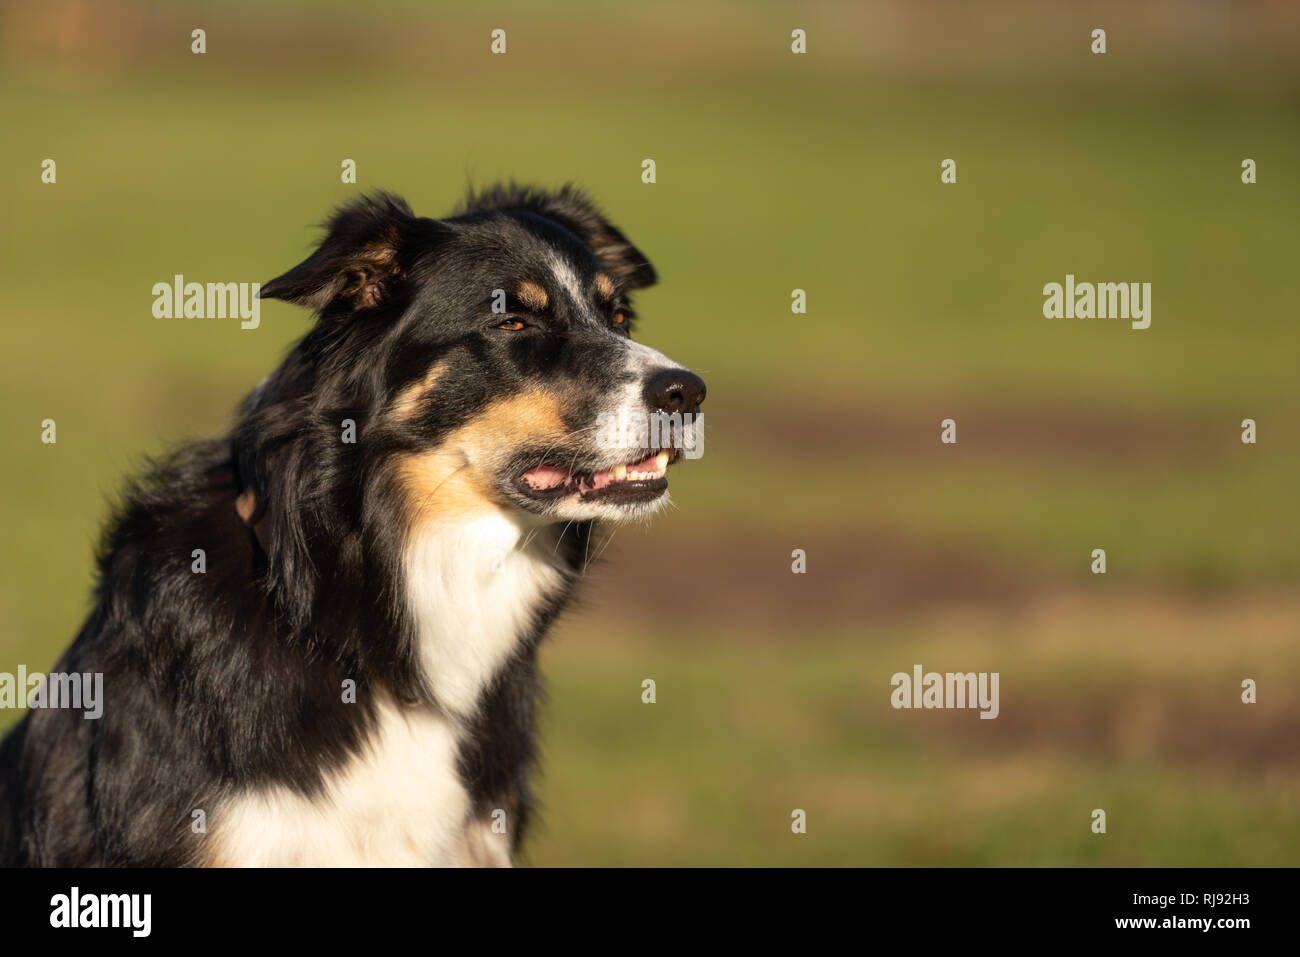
(620, 319)
(512, 325)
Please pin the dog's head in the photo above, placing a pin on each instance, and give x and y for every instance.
(484, 361)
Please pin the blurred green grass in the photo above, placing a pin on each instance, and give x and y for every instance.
(775, 173)
(1141, 722)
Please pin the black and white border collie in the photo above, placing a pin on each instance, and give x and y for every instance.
(352, 680)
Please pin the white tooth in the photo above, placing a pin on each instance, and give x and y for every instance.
(661, 461)
(619, 472)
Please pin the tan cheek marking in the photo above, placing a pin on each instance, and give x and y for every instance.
(529, 417)
(407, 403)
(439, 484)
(532, 295)
(604, 285)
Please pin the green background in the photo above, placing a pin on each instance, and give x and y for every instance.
(775, 172)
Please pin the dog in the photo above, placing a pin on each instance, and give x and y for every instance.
(404, 507)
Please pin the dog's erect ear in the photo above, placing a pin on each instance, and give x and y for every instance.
(359, 260)
(570, 207)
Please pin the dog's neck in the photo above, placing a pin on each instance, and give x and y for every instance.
(477, 589)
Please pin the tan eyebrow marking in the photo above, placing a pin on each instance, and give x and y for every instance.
(604, 285)
(407, 403)
(532, 295)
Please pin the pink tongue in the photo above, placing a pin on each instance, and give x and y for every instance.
(645, 465)
(544, 477)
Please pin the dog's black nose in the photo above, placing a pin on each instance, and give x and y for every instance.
(674, 390)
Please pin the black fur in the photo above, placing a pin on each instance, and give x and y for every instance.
(221, 681)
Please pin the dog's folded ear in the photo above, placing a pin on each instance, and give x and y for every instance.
(359, 261)
(571, 208)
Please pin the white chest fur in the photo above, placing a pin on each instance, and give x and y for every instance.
(473, 588)
(473, 592)
(398, 803)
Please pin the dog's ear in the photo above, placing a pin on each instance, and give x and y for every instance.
(616, 255)
(571, 208)
(360, 260)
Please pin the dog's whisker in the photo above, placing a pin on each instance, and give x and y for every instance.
(559, 538)
(608, 540)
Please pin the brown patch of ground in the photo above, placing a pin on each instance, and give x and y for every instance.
(1152, 723)
(724, 575)
(908, 431)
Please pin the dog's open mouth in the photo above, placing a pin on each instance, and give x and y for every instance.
(638, 481)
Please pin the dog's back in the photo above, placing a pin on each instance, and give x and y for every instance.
(80, 791)
(44, 813)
